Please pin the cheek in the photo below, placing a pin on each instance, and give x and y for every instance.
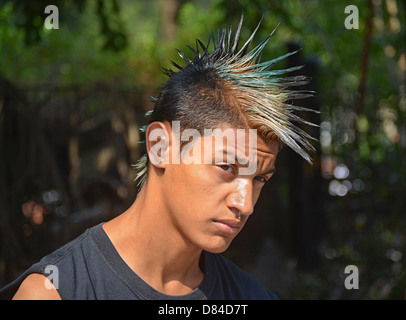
(192, 188)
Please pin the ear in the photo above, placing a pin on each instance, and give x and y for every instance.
(158, 140)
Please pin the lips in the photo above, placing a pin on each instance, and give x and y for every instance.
(229, 226)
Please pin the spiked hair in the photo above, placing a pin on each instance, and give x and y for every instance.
(231, 86)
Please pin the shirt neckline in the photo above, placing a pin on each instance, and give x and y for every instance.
(137, 284)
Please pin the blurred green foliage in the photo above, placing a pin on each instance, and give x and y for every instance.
(126, 43)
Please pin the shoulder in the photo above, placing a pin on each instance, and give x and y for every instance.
(240, 283)
(34, 283)
(36, 287)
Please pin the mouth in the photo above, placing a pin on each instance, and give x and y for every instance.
(229, 226)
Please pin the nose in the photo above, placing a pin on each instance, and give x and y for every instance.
(241, 197)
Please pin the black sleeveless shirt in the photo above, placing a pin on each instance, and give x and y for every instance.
(89, 267)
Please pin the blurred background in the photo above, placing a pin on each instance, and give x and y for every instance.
(72, 101)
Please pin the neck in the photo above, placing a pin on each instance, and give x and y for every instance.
(153, 248)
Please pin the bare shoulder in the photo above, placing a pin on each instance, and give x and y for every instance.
(36, 287)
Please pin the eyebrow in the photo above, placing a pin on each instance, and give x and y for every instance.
(241, 161)
(270, 171)
(232, 154)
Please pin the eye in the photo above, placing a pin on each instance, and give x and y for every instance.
(227, 168)
(261, 179)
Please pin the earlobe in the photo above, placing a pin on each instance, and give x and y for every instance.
(157, 142)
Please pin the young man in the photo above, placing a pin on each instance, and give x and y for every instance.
(196, 191)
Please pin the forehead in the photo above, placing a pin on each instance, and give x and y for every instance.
(266, 148)
(240, 144)
(243, 139)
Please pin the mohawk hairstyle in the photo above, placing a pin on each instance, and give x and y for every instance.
(231, 86)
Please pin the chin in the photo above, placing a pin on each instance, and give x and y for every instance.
(218, 245)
